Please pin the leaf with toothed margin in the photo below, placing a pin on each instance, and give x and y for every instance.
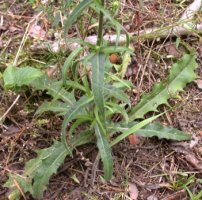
(181, 73)
(39, 170)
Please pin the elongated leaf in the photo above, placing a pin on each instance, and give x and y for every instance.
(151, 130)
(105, 152)
(71, 114)
(68, 63)
(39, 170)
(98, 67)
(76, 13)
(181, 73)
(17, 77)
(115, 49)
(54, 106)
(163, 132)
(133, 129)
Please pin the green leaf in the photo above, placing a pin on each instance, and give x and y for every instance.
(98, 67)
(180, 74)
(105, 152)
(76, 13)
(118, 108)
(133, 129)
(116, 93)
(115, 49)
(54, 106)
(160, 131)
(39, 170)
(54, 88)
(68, 63)
(71, 114)
(17, 77)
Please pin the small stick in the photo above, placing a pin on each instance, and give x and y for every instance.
(15, 101)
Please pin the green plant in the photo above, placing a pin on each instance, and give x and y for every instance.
(101, 96)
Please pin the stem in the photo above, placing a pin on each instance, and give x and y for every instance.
(100, 28)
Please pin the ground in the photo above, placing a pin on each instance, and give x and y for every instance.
(158, 169)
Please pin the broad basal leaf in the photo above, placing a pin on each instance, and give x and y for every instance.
(105, 152)
(181, 73)
(98, 67)
(39, 170)
(17, 77)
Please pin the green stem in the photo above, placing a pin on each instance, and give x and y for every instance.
(100, 28)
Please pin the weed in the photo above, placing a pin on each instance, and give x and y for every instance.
(101, 96)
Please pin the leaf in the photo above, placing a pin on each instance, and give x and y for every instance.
(54, 88)
(75, 14)
(115, 49)
(105, 152)
(17, 77)
(68, 63)
(99, 8)
(118, 108)
(39, 170)
(151, 130)
(54, 106)
(133, 129)
(70, 115)
(180, 74)
(125, 64)
(56, 156)
(116, 93)
(162, 132)
(98, 67)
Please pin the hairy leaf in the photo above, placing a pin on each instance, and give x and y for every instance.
(105, 152)
(181, 73)
(17, 77)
